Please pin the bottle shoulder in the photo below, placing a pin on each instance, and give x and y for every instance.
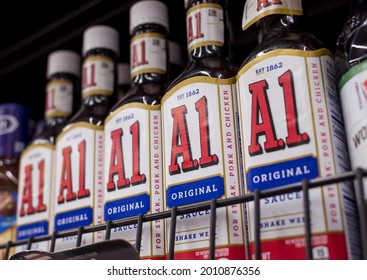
(351, 44)
(355, 44)
(297, 40)
(9, 168)
(147, 93)
(94, 115)
(48, 135)
(212, 67)
(94, 110)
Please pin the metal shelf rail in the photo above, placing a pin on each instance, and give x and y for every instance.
(355, 176)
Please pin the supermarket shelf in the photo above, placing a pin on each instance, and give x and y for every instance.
(305, 186)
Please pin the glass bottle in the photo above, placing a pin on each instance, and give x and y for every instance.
(133, 160)
(123, 79)
(292, 130)
(349, 46)
(79, 147)
(351, 66)
(37, 160)
(200, 148)
(14, 136)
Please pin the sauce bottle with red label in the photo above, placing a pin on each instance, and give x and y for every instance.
(78, 186)
(133, 157)
(292, 130)
(200, 143)
(36, 170)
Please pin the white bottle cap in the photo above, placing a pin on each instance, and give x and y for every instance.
(123, 74)
(63, 61)
(148, 11)
(101, 36)
(175, 56)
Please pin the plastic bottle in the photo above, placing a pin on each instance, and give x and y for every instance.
(14, 136)
(36, 172)
(292, 130)
(79, 147)
(133, 159)
(200, 148)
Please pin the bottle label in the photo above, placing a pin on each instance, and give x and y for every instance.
(205, 26)
(35, 185)
(8, 208)
(133, 173)
(98, 76)
(78, 198)
(200, 161)
(353, 94)
(254, 10)
(291, 130)
(148, 54)
(59, 99)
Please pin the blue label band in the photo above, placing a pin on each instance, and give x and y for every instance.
(127, 207)
(74, 219)
(14, 128)
(281, 174)
(32, 230)
(195, 192)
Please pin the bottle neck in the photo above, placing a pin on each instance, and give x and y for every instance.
(351, 41)
(357, 12)
(149, 55)
(276, 25)
(100, 101)
(206, 25)
(358, 4)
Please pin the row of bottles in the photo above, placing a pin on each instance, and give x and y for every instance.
(14, 136)
(212, 130)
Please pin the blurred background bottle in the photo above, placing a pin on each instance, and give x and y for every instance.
(14, 136)
(36, 172)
